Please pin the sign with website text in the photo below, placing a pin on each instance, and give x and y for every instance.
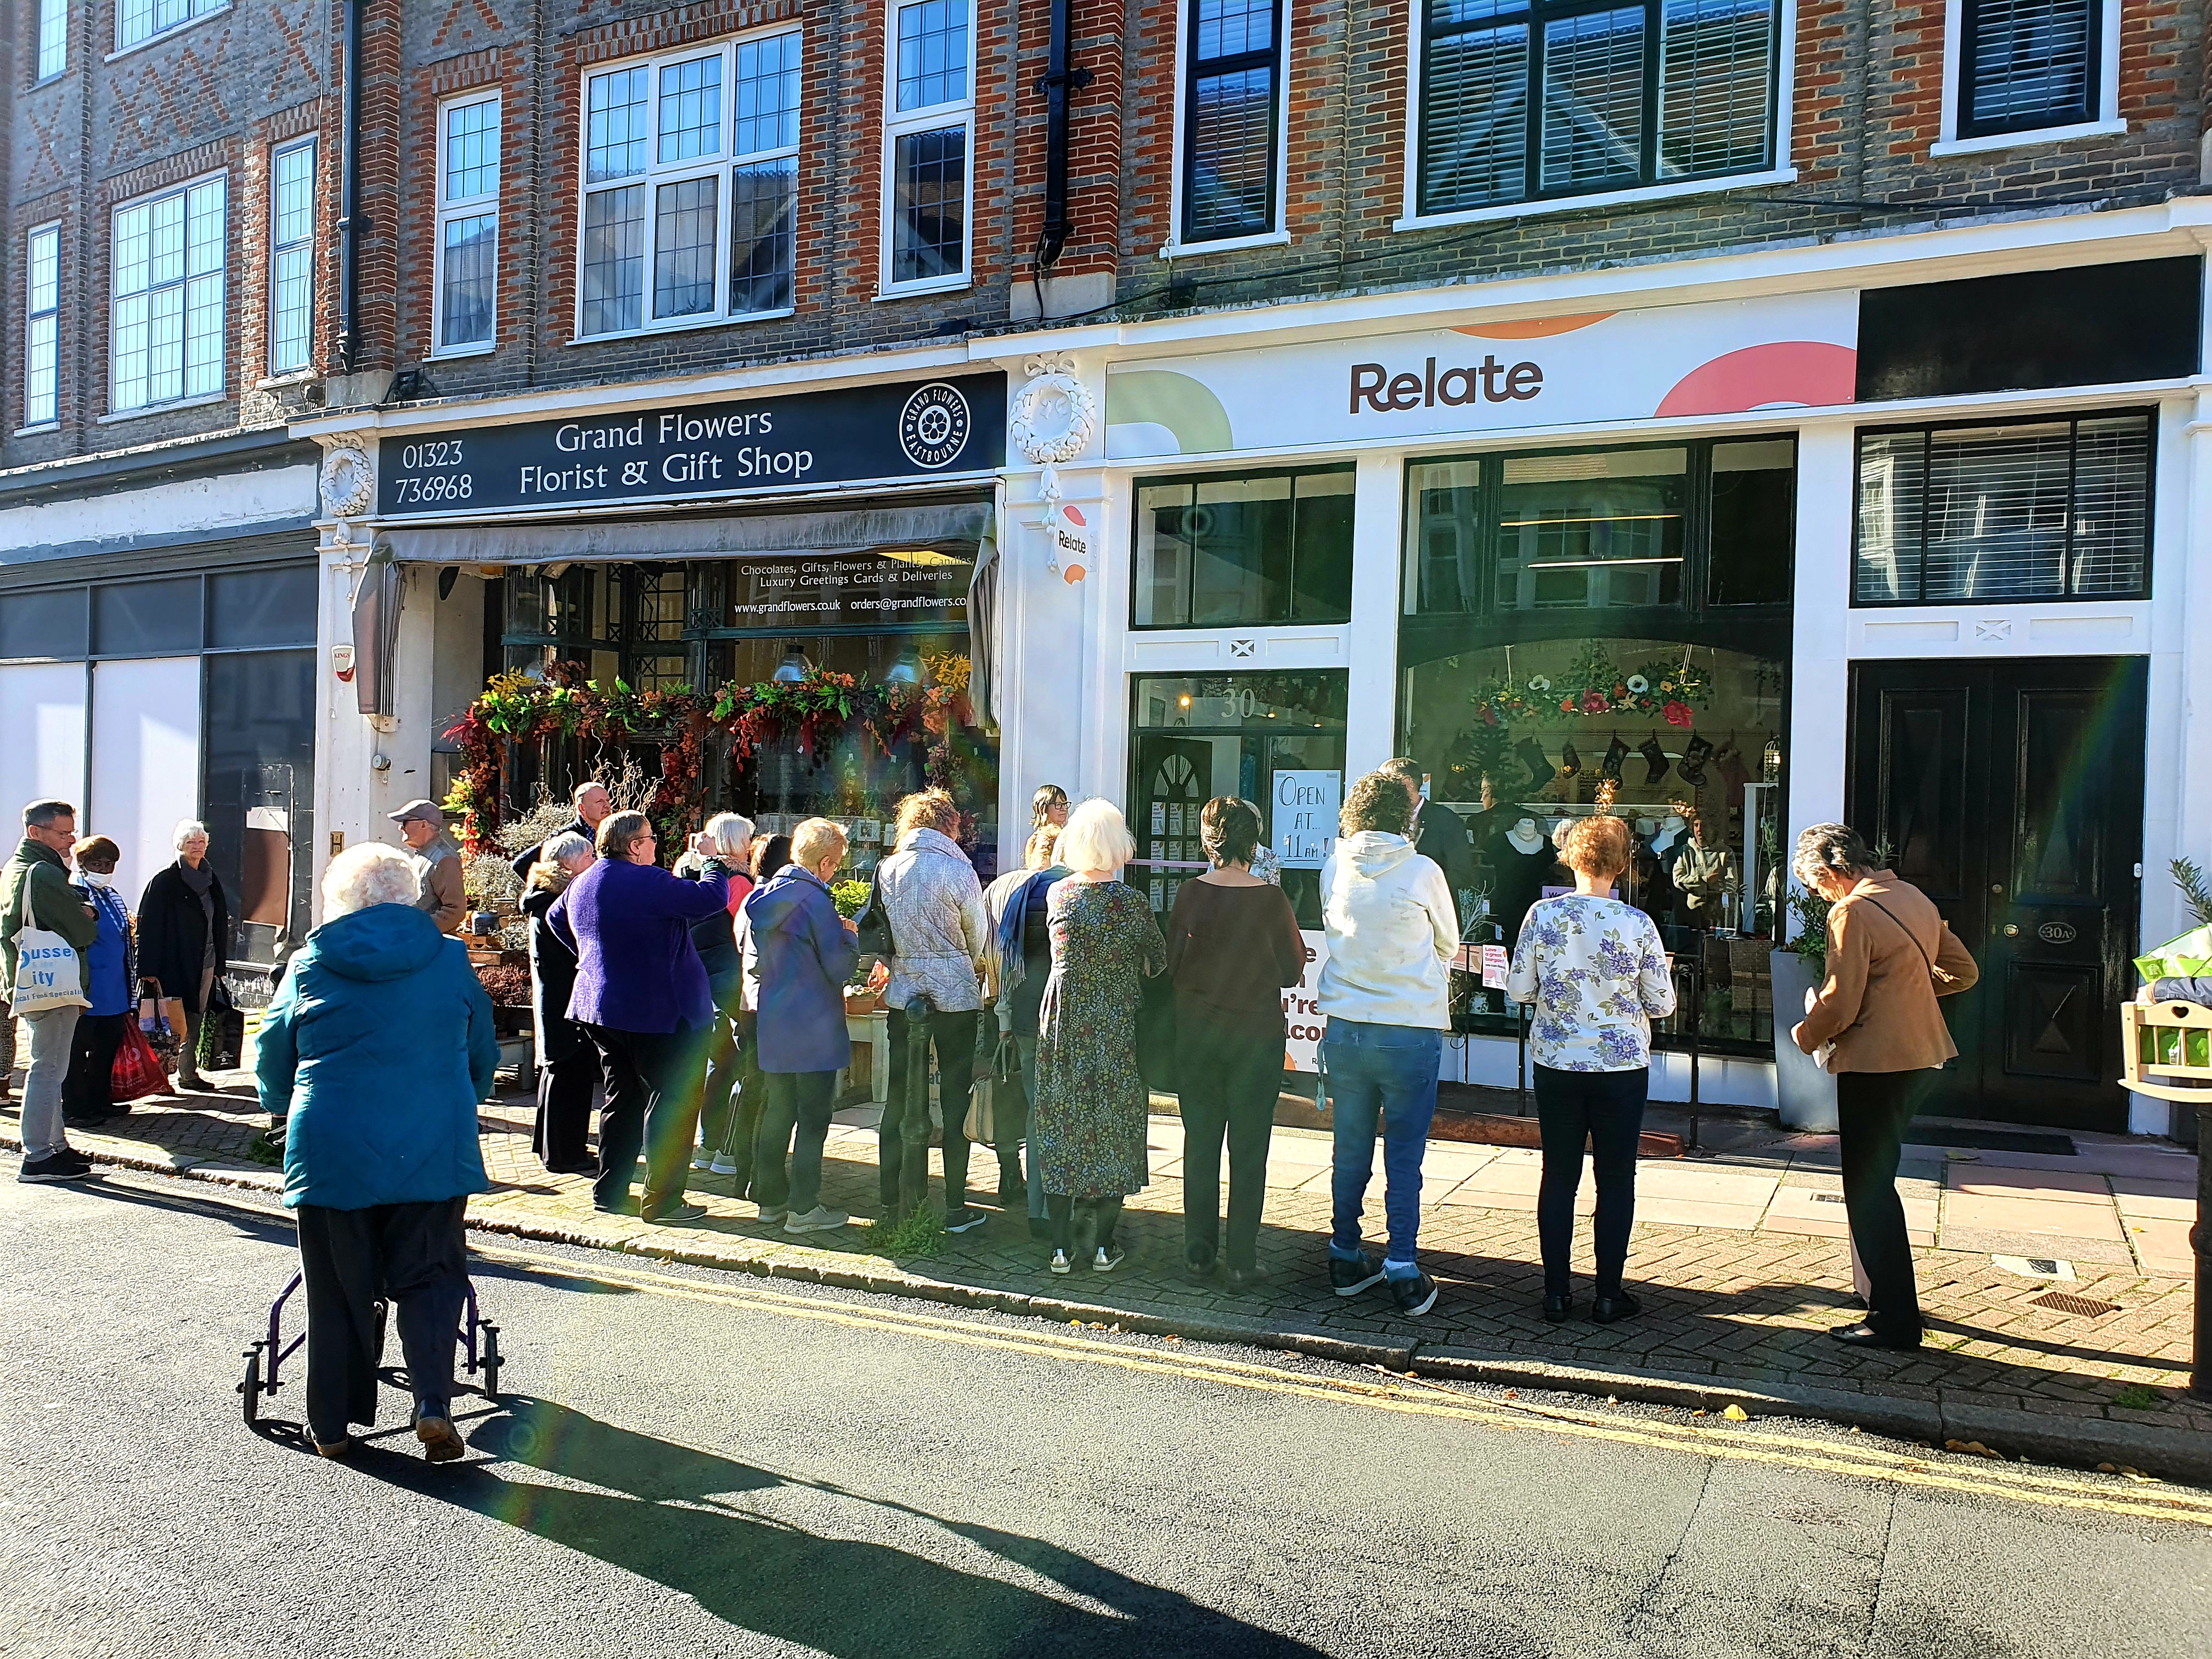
(702, 451)
(914, 585)
(1304, 817)
(1721, 357)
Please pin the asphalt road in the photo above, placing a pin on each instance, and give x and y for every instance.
(694, 1463)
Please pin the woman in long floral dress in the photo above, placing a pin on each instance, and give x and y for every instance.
(1087, 1125)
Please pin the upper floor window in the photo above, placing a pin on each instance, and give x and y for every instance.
(142, 20)
(2034, 509)
(1230, 125)
(292, 266)
(690, 187)
(168, 300)
(928, 126)
(466, 249)
(1244, 548)
(2026, 64)
(42, 327)
(54, 38)
(1524, 99)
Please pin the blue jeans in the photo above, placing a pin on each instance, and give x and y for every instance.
(1384, 1074)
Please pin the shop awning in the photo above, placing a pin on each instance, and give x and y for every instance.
(955, 527)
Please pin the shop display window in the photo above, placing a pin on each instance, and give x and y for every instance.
(1275, 739)
(1248, 548)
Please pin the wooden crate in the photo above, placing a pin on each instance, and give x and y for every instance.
(2166, 1049)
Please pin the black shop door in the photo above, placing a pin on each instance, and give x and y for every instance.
(2012, 794)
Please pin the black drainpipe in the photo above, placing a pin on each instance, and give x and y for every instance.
(1059, 81)
(348, 185)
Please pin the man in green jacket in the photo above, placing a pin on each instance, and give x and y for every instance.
(35, 892)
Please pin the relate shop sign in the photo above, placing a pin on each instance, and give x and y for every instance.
(1729, 358)
(693, 452)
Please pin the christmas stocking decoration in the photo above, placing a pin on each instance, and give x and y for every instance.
(1570, 762)
(1655, 758)
(1531, 756)
(1693, 761)
(1615, 752)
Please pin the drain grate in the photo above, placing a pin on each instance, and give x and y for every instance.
(2063, 1301)
(1827, 1198)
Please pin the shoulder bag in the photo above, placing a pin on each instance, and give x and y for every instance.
(872, 926)
(48, 975)
(1936, 975)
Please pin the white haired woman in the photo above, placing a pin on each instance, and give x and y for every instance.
(568, 1060)
(184, 937)
(1088, 1121)
(376, 1051)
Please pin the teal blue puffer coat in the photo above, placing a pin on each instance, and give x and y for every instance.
(379, 1047)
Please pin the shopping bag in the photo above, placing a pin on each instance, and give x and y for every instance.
(137, 1071)
(982, 1126)
(46, 973)
(153, 1019)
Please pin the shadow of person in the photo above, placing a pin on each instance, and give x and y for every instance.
(888, 1578)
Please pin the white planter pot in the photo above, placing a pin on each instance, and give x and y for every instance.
(1806, 1094)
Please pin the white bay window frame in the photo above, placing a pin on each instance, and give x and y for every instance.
(720, 167)
(924, 118)
(477, 200)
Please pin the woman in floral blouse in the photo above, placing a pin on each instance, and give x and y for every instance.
(1597, 973)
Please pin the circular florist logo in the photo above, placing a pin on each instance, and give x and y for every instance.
(933, 426)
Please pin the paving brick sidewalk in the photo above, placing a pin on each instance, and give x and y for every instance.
(1740, 1279)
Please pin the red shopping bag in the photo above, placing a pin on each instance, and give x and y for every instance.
(137, 1070)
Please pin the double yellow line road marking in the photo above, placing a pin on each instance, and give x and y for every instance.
(1408, 1396)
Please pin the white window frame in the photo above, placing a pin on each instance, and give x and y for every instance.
(33, 315)
(221, 389)
(468, 207)
(196, 11)
(723, 164)
(277, 156)
(1949, 143)
(1782, 172)
(898, 123)
(53, 21)
(1174, 248)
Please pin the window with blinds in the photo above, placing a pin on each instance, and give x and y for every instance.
(2054, 509)
(1522, 99)
(2025, 64)
(1233, 54)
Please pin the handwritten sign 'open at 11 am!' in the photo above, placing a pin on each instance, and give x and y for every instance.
(1305, 806)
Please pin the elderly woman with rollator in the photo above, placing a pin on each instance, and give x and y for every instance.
(376, 1050)
(1874, 1023)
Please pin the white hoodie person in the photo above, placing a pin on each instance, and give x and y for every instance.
(1392, 932)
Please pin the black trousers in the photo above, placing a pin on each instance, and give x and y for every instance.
(414, 1256)
(1872, 1111)
(562, 1137)
(1227, 1082)
(796, 1116)
(736, 1090)
(1606, 1108)
(903, 1139)
(654, 1080)
(87, 1091)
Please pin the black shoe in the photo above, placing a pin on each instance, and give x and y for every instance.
(1415, 1295)
(1040, 1226)
(1863, 1335)
(1246, 1279)
(1013, 1196)
(54, 1166)
(1558, 1308)
(963, 1219)
(1349, 1275)
(623, 1206)
(1198, 1265)
(1619, 1305)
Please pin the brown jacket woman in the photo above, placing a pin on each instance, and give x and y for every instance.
(1878, 1003)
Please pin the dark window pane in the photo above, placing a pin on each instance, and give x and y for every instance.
(146, 619)
(262, 607)
(1240, 534)
(1754, 523)
(1475, 114)
(2028, 64)
(1446, 499)
(1715, 86)
(1892, 490)
(930, 207)
(1600, 529)
(1593, 99)
(1232, 154)
(1162, 586)
(43, 624)
(613, 259)
(260, 779)
(763, 236)
(1321, 568)
(1266, 549)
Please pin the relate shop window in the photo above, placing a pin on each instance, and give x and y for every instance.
(168, 305)
(42, 327)
(2054, 509)
(1523, 98)
(467, 246)
(690, 188)
(2025, 64)
(1233, 50)
(931, 94)
(1252, 549)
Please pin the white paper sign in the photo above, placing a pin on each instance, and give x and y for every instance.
(1306, 805)
(1495, 967)
(1301, 1012)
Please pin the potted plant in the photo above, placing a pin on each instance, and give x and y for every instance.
(851, 897)
(1804, 1090)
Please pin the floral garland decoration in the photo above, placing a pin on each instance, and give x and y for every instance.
(1595, 686)
(823, 707)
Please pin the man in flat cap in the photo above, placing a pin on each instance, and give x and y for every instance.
(437, 863)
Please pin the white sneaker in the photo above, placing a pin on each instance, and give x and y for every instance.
(772, 1215)
(723, 1164)
(1060, 1264)
(816, 1220)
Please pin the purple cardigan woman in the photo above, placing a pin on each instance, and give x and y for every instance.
(807, 952)
(641, 994)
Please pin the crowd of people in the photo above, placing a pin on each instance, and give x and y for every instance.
(703, 1006)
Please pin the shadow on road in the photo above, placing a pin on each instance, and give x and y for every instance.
(665, 1514)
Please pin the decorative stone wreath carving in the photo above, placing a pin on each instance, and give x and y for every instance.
(348, 481)
(1054, 418)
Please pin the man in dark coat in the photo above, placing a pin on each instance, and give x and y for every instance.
(593, 804)
(184, 937)
(1438, 832)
